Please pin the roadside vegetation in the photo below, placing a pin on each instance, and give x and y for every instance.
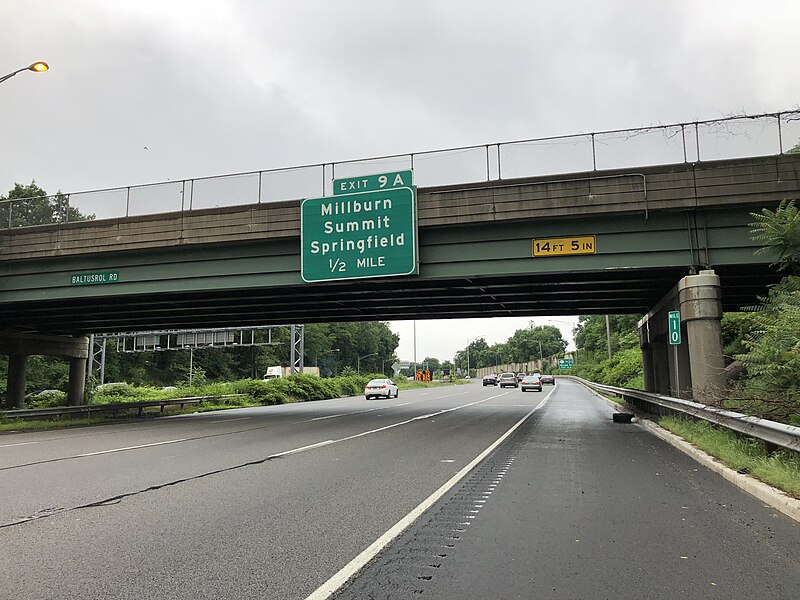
(235, 394)
(747, 455)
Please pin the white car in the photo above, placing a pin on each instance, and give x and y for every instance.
(381, 387)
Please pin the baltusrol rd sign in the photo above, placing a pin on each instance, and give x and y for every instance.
(94, 278)
(354, 236)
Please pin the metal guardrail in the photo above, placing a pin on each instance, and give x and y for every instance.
(89, 409)
(736, 136)
(771, 432)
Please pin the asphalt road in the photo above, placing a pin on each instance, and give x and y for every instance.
(272, 502)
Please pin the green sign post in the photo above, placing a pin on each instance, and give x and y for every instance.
(674, 327)
(565, 364)
(354, 236)
(372, 183)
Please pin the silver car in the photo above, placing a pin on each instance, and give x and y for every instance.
(381, 387)
(531, 382)
(507, 379)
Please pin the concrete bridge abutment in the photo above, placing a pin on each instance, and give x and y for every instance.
(695, 368)
(19, 347)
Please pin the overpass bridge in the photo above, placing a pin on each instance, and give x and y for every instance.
(240, 265)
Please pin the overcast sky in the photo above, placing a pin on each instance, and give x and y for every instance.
(143, 91)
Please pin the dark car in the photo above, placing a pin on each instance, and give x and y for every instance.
(548, 379)
(507, 379)
(520, 377)
(490, 380)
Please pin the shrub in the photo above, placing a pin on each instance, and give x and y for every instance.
(47, 399)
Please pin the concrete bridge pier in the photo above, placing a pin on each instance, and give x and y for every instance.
(20, 346)
(701, 315)
(694, 368)
(17, 376)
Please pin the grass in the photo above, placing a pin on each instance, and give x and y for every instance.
(780, 469)
(23, 425)
(414, 385)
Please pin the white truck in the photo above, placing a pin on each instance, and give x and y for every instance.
(278, 371)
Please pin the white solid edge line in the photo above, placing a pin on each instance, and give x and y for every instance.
(360, 561)
(771, 496)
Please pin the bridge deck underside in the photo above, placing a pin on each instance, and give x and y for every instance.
(604, 292)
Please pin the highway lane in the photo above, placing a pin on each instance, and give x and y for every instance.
(570, 506)
(211, 516)
(575, 506)
(60, 471)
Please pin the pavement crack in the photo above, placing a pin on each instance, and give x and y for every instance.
(91, 454)
(49, 512)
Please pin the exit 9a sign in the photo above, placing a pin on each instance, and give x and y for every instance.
(371, 183)
(367, 229)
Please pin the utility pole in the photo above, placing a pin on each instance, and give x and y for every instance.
(608, 338)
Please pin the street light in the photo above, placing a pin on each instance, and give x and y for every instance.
(37, 67)
(316, 358)
(358, 370)
(469, 341)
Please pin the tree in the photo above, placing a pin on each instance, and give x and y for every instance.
(779, 231)
(523, 346)
(535, 342)
(772, 342)
(590, 333)
(477, 353)
(373, 340)
(26, 205)
(431, 364)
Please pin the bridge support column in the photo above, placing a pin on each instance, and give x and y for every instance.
(694, 368)
(77, 381)
(15, 386)
(701, 313)
(18, 346)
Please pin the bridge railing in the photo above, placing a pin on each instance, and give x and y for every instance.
(730, 137)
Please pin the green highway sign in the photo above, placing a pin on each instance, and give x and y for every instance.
(371, 183)
(354, 236)
(674, 327)
(565, 363)
(94, 278)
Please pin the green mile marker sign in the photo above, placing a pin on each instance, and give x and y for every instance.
(359, 235)
(674, 322)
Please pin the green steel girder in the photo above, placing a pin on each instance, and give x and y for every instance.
(467, 270)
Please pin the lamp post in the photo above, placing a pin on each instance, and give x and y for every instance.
(316, 358)
(37, 67)
(358, 370)
(469, 341)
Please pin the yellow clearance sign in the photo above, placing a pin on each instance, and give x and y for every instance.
(585, 244)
